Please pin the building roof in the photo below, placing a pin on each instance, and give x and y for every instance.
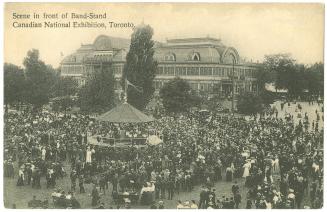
(210, 50)
(194, 41)
(105, 42)
(104, 48)
(204, 49)
(124, 113)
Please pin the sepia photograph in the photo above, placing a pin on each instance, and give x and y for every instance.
(163, 105)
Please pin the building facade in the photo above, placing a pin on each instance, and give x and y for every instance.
(104, 52)
(206, 63)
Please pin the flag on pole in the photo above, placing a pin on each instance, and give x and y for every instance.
(139, 89)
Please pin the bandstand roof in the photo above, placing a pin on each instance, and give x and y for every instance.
(124, 113)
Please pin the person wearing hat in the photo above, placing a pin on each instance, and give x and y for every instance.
(247, 167)
(20, 181)
(114, 182)
(186, 205)
(10, 170)
(204, 196)
(161, 205)
(235, 188)
(73, 178)
(102, 183)
(211, 205)
(127, 203)
(28, 173)
(81, 183)
(248, 204)
(291, 198)
(170, 188)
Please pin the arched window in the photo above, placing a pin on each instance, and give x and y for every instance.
(170, 57)
(195, 56)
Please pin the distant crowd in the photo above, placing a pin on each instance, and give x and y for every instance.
(280, 159)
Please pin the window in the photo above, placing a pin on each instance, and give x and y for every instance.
(207, 71)
(180, 71)
(184, 71)
(171, 71)
(170, 57)
(193, 71)
(160, 70)
(217, 71)
(195, 56)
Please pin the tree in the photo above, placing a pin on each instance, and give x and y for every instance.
(263, 76)
(296, 80)
(315, 79)
(287, 74)
(97, 95)
(140, 67)
(249, 104)
(14, 82)
(178, 96)
(65, 86)
(278, 67)
(39, 78)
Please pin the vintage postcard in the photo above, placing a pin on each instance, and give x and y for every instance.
(163, 105)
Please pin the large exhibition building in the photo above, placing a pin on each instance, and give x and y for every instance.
(206, 63)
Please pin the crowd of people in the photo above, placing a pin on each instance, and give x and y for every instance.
(280, 159)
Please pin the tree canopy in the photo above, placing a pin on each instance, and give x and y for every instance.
(178, 96)
(140, 67)
(285, 73)
(40, 79)
(315, 79)
(14, 84)
(249, 104)
(65, 86)
(97, 95)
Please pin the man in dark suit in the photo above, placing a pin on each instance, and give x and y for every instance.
(170, 188)
(204, 196)
(237, 199)
(235, 188)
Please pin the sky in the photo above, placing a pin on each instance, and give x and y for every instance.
(254, 30)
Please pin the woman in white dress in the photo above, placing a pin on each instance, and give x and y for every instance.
(275, 165)
(44, 151)
(247, 167)
(88, 155)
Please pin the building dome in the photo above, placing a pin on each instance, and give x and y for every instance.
(102, 43)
